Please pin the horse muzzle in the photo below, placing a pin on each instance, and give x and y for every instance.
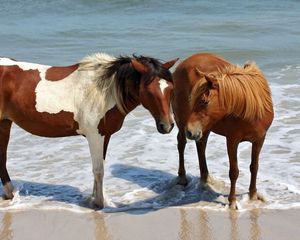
(193, 135)
(164, 127)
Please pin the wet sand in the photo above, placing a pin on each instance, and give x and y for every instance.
(169, 223)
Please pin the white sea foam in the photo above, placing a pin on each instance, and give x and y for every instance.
(141, 165)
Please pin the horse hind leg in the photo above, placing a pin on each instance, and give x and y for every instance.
(256, 148)
(5, 126)
(232, 146)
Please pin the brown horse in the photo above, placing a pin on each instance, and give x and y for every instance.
(211, 94)
(83, 99)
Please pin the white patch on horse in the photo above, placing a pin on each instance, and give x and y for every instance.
(163, 84)
(78, 94)
(55, 96)
(7, 61)
(23, 65)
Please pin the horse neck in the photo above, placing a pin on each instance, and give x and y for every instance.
(114, 118)
(130, 105)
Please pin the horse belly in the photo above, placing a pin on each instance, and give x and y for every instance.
(46, 125)
(241, 129)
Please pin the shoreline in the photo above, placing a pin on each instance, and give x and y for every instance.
(168, 223)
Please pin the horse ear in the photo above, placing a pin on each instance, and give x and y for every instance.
(169, 64)
(212, 81)
(200, 73)
(141, 68)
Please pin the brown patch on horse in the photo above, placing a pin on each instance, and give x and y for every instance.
(114, 118)
(21, 109)
(59, 73)
(111, 122)
(11, 76)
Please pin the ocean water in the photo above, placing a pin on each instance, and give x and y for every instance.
(141, 165)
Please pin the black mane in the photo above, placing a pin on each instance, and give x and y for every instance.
(155, 68)
(123, 70)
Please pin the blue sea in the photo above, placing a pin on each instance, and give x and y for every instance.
(141, 166)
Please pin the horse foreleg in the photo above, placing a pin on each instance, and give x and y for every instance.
(201, 146)
(256, 148)
(96, 149)
(181, 142)
(5, 126)
(232, 146)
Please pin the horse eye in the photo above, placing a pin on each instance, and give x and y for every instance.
(201, 104)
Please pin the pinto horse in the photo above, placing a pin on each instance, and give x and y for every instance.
(88, 98)
(211, 94)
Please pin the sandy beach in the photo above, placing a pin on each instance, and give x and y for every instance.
(169, 223)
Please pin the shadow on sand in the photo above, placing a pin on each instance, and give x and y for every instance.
(51, 192)
(163, 185)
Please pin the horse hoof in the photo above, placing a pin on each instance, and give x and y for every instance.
(182, 181)
(205, 180)
(8, 191)
(98, 206)
(233, 206)
(7, 197)
(94, 204)
(253, 196)
(256, 196)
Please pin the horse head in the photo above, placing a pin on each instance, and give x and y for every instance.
(154, 90)
(205, 105)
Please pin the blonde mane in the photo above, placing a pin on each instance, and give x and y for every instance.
(243, 91)
(105, 88)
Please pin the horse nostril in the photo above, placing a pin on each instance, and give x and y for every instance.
(162, 126)
(195, 136)
(188, 134)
